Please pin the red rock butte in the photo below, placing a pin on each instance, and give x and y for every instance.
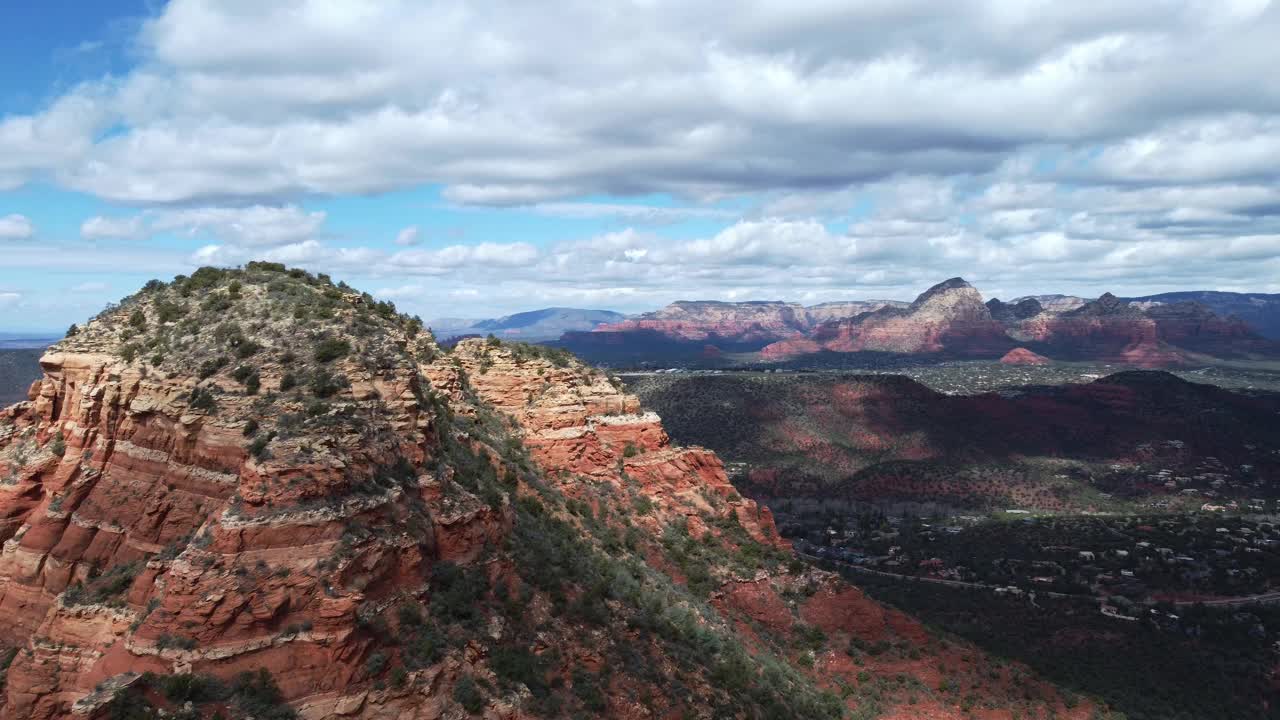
(1023, 356)
(258, 471)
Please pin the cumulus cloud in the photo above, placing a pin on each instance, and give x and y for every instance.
(16, 227)
(633, 213)
(101, 227)
(256, 226)
(863, 148)
(408, 237)
(492, 99)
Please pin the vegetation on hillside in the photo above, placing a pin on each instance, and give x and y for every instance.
(1215, 671)
(292, 357)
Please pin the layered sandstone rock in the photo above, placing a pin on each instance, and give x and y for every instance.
(950, 317)
(1145, 335)
(225, 561)
(258, 470)
(577, 422)
(742, 322)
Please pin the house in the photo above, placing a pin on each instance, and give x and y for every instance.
(1086, 555)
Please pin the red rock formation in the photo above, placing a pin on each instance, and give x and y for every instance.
(1023, 356)
(949, 317)
(742, 322)
(161, 519)
(578, 422)
(1149, 335)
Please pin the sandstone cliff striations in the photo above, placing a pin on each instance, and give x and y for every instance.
(949, 318)
(258, 493)
(743, 322)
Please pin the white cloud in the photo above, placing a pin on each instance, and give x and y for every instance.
(633, 213)
(408, 237)
(255, 226)
(108, 228)
(16, 227)
(707, 99)
(8, 299)
(456, 256)
(1233, 147)
(864, 148)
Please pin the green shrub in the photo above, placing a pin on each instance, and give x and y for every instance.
(202, 399)
(108, 588)
(376, 663)
(217, 303)
(249, 377)
(330, 349)
(210, 367)
(205, 278)
(58, 446)
(258, 448)
(586, 686)
(326, 384)
(167, 311)
(467, 694)
(264, 266)
(518, 665)
(166, 641)
(455, 592)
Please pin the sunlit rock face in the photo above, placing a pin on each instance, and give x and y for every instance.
(259, 471)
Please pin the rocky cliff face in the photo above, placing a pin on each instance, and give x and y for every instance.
(949, 317)
(743, 322)
(1158, 335)
(1053, 303)
(1260, 311)
(947, 320)
(1012, 312)
(257, 493)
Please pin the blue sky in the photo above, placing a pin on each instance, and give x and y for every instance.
(481, 158)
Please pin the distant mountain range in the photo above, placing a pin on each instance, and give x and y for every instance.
(27, 340)
(18, 369)
(950, 320)
(535, 325)
(1261, 311)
